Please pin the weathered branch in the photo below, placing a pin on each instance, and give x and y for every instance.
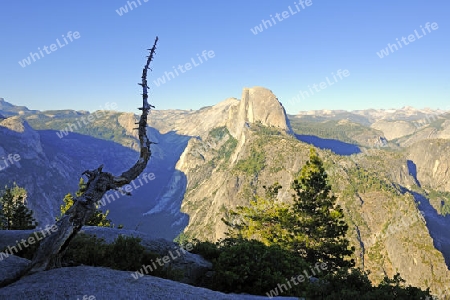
(145, 154)
(50, 251)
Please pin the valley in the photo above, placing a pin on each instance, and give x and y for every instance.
(388, 168)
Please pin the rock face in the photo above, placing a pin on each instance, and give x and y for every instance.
(433, 168)
(389, 233)
(192, 123)
(394, 129)
(257, 104)
(49, 167)
(18, 129)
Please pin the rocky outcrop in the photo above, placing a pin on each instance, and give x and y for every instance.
(395, 238)
(12, 267)
(390, 235)
(257, 105)
(105, 284)
(433, 163)
(26, 138)
(192, 266)
(215, 185)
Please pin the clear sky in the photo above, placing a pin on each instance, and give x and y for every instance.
(304, 46)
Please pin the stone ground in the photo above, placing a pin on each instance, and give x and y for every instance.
(105, 284)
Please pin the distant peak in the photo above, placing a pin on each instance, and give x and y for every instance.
(258, 104)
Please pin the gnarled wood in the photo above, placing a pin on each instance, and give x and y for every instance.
(50, 251)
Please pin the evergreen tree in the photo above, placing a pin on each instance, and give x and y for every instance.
(264, 219)
(98, 218)
(317, 225)
(14, 215)
(313, 226)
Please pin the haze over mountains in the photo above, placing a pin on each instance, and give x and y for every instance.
(389, 169)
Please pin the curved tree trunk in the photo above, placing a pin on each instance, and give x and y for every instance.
(51, 248)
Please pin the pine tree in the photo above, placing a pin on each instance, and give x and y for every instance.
(312, 227)
(14, 215)
(264, 219)
(317, 225)
(98, 218)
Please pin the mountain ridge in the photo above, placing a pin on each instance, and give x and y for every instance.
(205, 165)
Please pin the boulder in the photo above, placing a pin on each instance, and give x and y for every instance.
(11, 267)
(103, 284)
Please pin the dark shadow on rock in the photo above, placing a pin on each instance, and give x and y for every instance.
(57, 170)
(437, 225)
(155, 204)
(412, 169)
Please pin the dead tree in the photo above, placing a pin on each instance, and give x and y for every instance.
(51, 249)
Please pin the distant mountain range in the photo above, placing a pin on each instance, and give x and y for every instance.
(401, 126)
(388, 168)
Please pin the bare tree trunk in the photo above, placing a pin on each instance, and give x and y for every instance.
(51, 248)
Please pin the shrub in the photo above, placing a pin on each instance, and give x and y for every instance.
(88, 250)
(208, 250)
(28, 252)
(125, 254)
(249, 266)
(254, 163)
(355, 284)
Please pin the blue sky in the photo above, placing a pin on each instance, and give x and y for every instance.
(105, 63)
